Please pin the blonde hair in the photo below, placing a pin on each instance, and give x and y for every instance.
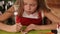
(20, 9)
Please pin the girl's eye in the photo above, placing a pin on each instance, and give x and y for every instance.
(33, 4)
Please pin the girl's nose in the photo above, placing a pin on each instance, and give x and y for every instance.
(29, 7)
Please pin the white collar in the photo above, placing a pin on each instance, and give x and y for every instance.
(30, 16)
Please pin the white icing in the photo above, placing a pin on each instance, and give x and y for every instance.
(15, 13)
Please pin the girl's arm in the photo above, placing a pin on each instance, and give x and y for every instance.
(10, 28)
(41, 27)
(55, 21)
(52, 17)
(7, 14)
(46, 27)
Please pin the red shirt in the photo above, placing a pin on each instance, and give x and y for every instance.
(27, 21)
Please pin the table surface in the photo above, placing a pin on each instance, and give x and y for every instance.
(31, 32)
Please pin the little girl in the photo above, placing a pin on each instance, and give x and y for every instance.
(33, 13)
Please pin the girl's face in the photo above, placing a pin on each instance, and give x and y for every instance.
(30, 6)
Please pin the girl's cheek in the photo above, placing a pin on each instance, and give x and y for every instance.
(34, 8)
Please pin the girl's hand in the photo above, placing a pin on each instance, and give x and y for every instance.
(18, 26)
(30, 27)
